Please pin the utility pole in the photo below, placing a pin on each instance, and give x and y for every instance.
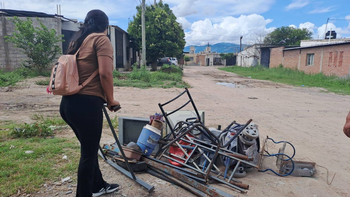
(143, 61)
(155, 2)
(240, 43)
(325, 30)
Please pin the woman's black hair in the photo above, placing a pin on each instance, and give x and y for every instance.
(96, 21)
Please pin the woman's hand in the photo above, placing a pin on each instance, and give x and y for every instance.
(113, 105)
(346, 128)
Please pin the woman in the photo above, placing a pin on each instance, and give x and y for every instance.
(83, 111)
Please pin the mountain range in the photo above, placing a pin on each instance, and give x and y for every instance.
(219, 48)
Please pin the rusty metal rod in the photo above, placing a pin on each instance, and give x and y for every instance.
(157, 173)
(222, 153)
(176, 167)
(207, 189)
(239, 156)
(198, 125)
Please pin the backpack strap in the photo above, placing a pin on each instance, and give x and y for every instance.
(94, 74)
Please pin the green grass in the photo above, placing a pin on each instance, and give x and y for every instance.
(28, 172)
(293, 77)
(166, 77)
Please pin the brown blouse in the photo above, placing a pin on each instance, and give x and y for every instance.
(97, 45)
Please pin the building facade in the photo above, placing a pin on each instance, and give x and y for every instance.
(204, 58)
(257, 54)
(12, 57)
(329, 59)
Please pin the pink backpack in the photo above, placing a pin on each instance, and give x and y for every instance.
(65, 77)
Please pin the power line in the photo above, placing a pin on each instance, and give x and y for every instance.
(339, 19)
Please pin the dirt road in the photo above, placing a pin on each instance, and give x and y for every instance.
(307, 117)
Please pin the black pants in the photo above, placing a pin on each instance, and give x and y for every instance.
(83, 113)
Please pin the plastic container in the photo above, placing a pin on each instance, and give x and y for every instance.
(148, 139)
(131, 154)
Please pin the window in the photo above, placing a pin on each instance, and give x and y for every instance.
(310, 59)
(191, 58)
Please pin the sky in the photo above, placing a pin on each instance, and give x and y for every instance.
(215, 21)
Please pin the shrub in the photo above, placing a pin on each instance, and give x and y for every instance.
(31, 130)
(40, 44)
(170, 69)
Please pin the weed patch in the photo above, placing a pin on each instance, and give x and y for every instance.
(11, 78)
(167, 77)
(43, 127)
(44, 82)
(293, 77)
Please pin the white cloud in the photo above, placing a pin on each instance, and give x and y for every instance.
(228, 30)
(297, 4)
(185, 8)
(74, 9)
(348, 18)
(247, 7)
(218, 8)
(322, 10)
(184, 22)
(321, 31)
(309, 26)
(295, 27)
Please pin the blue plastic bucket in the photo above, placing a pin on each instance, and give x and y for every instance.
(148, 139)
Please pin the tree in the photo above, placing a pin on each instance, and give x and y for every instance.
(287, 36)
(226, 56)
(187, 59)
(164, 36)
(38, 43)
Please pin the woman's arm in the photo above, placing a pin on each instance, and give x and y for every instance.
(346, 128)
(105, 70)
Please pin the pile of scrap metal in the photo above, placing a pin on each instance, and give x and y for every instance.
(192, 156)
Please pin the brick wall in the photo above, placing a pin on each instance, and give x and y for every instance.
(201, 60)
(336, 60)
(291, 59)
(276, 57)
(330, 60)
(12, 57)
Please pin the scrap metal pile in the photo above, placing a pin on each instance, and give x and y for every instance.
(193, 156)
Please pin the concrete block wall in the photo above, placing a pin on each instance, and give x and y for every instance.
(12, 57)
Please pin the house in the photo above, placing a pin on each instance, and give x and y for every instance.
(204, 58)
(328, 58)
(257, 54)
(12, 57)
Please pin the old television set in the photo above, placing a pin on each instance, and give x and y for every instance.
(130, 128)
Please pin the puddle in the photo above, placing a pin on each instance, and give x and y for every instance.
(230, 85)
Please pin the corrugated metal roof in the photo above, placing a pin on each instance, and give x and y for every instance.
(22, 13)
(315, 46)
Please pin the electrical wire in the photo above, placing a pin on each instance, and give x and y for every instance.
(280, 154)
(329, 183)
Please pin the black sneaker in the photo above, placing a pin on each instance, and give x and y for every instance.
(109, 188)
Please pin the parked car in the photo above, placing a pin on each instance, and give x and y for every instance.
(163, 60)
(167, 60)
(173, 61)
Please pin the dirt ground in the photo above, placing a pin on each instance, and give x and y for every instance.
(309, 118)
